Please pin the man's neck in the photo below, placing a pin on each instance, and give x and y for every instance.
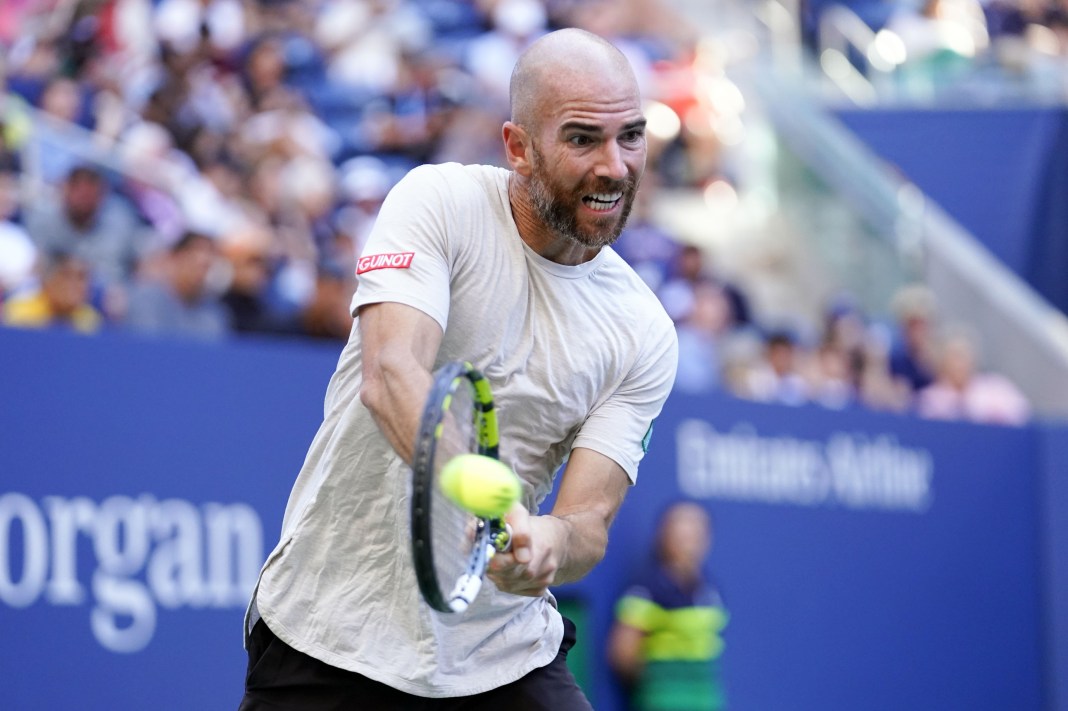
(537, 235)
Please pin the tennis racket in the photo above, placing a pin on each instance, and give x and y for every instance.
(452, 547)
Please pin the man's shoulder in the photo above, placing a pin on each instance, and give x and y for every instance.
(638, 298)
(457, 178)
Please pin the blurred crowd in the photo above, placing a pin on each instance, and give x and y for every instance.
(935, 44)
(910, 361)
(208, 168)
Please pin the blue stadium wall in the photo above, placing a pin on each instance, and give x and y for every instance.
(869, 562)
(1002, 173)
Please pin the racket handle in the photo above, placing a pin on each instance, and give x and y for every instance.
(500, 536)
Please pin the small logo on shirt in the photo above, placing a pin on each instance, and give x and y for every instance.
(647, 438)
(395, 260)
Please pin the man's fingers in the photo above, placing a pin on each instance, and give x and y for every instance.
(518, 519)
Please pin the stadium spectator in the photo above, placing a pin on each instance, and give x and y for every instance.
(911, 354)
(365, 180)
(667, 640)
(962, 392)
(326, 314)
(646, 245)
(835, 369)
(264, 72)
(878, 388)
(691, 267)
(61, 300)
(177, 300)
(58, 96)
(831, 381)
(157, 175)
(247, 253)
(89, 220)
(741, 355)
(940, 36)
(514, 24)
(57, 143)
(365, 43)
(700, 334)
(184, 24)
(305, 233)
(779, 377)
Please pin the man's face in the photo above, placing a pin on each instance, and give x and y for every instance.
(577, 210)
(587, 159)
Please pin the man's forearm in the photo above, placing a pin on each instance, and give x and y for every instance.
(394, 397)
(585, 540)
(399, 345)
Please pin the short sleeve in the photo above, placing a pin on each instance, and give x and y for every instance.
(621, 428)
(406, 259)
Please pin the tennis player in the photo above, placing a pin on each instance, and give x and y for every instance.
(511, 270)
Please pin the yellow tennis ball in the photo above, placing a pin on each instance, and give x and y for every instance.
(480, 484)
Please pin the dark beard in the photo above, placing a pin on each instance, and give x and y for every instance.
(559, 211)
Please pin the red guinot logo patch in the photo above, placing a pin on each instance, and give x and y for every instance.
(394, 260)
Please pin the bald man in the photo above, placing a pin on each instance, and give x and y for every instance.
(512, 270)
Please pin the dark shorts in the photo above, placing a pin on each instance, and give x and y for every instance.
(279, 677)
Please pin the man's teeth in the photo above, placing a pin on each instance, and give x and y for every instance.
(603, 200)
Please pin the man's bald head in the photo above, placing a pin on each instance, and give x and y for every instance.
(552, 60)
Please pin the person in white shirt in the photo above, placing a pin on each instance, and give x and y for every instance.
(513, 271)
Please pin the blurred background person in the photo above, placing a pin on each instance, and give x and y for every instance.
(246, 256)
(178, 299)
(326, 315)
(960, 391)
(648, 247)
(89, 220)
(942, 39)
(666, 642)
(700, 335)
(911, 356)
(61, 301)
(778, 378)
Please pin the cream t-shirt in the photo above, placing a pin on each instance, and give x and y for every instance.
(580, 356)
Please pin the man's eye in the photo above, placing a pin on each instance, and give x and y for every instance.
(581, 140)
(633, 136)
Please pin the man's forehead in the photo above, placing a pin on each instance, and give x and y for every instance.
(596, 115)
(573, 75)
(591, 99)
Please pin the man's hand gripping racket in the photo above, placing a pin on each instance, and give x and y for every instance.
(460, 491)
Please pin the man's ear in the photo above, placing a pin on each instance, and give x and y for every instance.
(516, 141)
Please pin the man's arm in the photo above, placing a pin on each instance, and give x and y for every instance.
(399, 346)
(564, 545)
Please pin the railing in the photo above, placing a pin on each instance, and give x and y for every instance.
(855, 58)
(1022, 335)
(51, 133)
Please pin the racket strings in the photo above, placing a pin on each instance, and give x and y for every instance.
(454, 531)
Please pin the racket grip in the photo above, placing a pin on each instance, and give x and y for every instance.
(500, 536)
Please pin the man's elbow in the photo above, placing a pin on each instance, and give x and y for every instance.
(373, 392)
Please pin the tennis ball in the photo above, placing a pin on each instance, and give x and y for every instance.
(480, 484)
